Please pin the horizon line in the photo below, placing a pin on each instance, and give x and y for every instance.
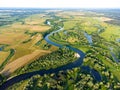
(66, 7)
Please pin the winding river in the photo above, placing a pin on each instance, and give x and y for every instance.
(71, 65)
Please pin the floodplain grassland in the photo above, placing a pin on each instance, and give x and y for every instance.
(104, 37)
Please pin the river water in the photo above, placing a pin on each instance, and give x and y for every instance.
(89, 38)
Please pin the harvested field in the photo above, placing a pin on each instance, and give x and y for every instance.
(11, 67)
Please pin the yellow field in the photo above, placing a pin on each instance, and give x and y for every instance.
(37, 19)
(27, 48)
(3, 56)
(103, 18)
(39, 28)
(14, 35)
(69, 14)
(12, 38)
(12, 66)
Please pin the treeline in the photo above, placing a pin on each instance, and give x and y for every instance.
(12, 51)
(52, 60)
(75, 79)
